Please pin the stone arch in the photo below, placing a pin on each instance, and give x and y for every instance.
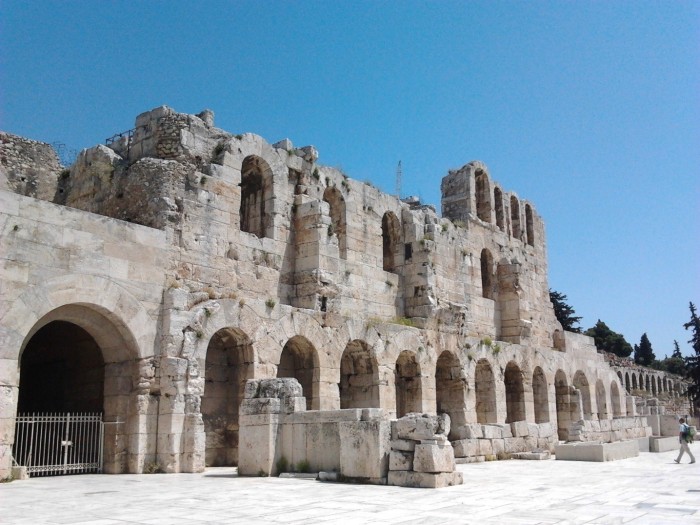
(229, 362)
(299, 360)
(540, 395)
(99, 303)
(601, 400)
(500, 216)
(391, 241)
(256, 196)
(581, 383)
(564, 406)
(658, 385)
(338, 226)
(485, 390)
(450, 388)
(615, 399)
(122, 329)
(634, 382)
(75, 359)
(529, 225)
(515, 393)
(515, 217)
(359, 377)
(647, 383)
(627, 384)
(487, 277)
(483, 195)
(407, 380)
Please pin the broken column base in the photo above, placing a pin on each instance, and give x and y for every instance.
(592, 451)
(424, 480)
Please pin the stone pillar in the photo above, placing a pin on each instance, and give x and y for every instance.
(171, 413)
(9, 391)
(265, 403)
(515, 326)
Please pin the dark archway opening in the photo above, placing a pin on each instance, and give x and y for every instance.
(62, 370)
(229, 363)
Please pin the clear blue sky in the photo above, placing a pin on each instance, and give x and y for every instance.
(591, 110)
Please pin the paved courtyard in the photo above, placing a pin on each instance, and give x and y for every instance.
(649, 489)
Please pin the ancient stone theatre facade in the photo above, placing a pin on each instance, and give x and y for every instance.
(159, 272)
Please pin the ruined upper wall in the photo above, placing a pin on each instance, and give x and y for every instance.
(270, 221)
(28, 167)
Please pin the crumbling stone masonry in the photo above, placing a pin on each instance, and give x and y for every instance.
(161, 272)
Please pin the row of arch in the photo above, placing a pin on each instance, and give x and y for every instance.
(401, 387)
(485, 210)
(256, 199)
(651, 383)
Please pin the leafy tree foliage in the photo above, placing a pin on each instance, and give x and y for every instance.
(674, 364)
(692, 363)
(643, 353)
(608, 340)
(564, 312)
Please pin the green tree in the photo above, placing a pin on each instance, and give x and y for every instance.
(674, 364)
(692, 362)
(564, 312)
(608, 340)
(643, 353)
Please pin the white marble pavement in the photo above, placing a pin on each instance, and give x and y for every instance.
(649, 489)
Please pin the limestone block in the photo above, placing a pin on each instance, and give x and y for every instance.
(547, 430)
(506, 431)
(420, 426)
(272, 388)
(498, 446)
(597, 451)
(605, 425)
(364, 449)
(520, 428)
(424, 480)
(404, 445)
(515, 444)
(400, 460)
(256, 446)
(434, 458)
(533, 430)
(251, 407)
(485, 447)
(492, 432)
(466, 447)
(469, 431)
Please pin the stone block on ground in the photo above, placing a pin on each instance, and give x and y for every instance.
(424, 480)
(420, 426)
(400, 460)
(434, 458)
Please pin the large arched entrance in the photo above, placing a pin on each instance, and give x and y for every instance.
(229, 363)
(77, 386)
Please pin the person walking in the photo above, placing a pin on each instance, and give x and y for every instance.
(683, 439)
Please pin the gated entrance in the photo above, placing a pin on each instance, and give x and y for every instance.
(59, 443)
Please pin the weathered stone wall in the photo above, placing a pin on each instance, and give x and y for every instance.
(103, 275)
(198, 259)
(28, 167)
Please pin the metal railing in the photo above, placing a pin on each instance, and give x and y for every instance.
(51, 444)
